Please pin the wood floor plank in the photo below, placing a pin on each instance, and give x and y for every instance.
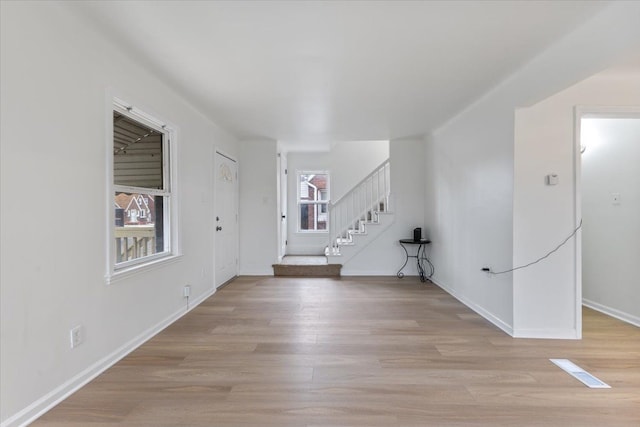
(356, 351)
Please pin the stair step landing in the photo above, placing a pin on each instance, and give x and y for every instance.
(306, 266)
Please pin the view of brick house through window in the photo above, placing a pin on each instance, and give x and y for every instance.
(313, 201)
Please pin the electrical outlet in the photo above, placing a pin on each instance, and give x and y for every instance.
(487, 271)
(76, 336)
(186, 291)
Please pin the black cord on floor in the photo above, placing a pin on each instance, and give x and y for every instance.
(428, 269)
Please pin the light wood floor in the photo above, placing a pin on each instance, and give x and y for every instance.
(357, 352)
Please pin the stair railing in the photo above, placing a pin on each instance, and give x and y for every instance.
(360, 205)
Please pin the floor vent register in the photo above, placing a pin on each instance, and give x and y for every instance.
(580, 374)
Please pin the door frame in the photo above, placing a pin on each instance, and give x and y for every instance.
(282, 207)
(580, 112)
(218, 151)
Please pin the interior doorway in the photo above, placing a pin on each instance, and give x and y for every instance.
(226, 218)
(608, 202)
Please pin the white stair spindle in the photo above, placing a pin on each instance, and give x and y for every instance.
(378, 190)
(386, 203)
(373, 197)
(354, 209)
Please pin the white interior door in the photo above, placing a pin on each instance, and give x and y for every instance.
(226, 220)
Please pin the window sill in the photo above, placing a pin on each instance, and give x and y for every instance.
(125, 273)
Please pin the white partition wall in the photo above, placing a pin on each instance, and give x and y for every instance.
(545, 215)
(486, 200)
(258, 216)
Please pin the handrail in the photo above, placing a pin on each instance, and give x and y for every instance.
(373, 172)
(358, 206)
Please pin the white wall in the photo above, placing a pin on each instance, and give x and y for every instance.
(305, 243)
(259, 212)
(611, 230)
(469, 183)
(545, 215)
(473, 196)
(55, 72)
(384, 256)
(352, 161)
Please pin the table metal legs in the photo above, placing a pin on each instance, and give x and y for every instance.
(400, 273)
(421, 271)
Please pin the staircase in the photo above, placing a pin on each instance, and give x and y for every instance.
(360, 216)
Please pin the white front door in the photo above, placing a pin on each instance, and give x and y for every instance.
(226, 220)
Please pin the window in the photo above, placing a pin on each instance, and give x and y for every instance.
(313, 201)
(142, 226)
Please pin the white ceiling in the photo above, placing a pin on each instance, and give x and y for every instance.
(310, 73)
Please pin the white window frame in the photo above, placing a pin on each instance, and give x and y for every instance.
(299, 202)
(118, 271)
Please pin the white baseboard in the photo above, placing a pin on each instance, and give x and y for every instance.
(256, 272)
(550, 333)
(620, 315)
(384, 273)
(57, 395)
(481, 311)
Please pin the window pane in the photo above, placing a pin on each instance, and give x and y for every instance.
(304, 189)
(321, 223)
(139, 225)
(305, 218)
(137, 153)
(313, 198)
(313, 217)
(313, 187)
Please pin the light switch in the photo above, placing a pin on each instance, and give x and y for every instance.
(615, 198)
(552, 179)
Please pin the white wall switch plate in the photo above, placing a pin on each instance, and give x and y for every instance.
(551, 179)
